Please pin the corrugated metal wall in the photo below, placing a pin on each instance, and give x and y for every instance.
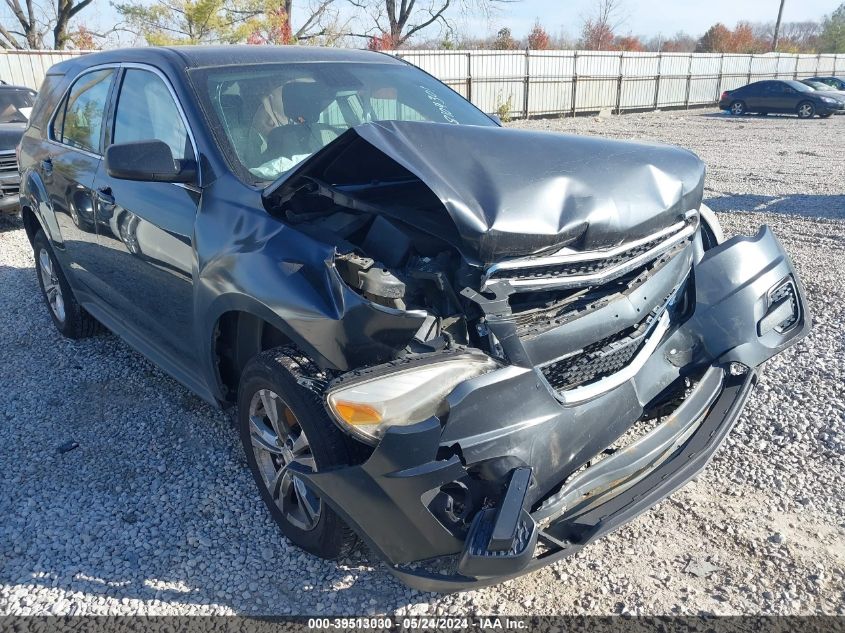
(536, 83)
(533, 83)
(27, 68)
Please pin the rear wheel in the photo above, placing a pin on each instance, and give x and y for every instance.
(806, 110)
(281, 423)
(68, 316)
(738, 108)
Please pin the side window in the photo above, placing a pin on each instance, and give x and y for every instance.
(83, 113)
(146, 111)
(58, 122)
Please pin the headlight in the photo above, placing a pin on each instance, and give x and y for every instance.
(829, 100)
(367, 407)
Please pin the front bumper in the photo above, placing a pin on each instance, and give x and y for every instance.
(10, 203)
(510, 421)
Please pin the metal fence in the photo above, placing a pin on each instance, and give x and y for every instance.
(28, 68)
(543, 83)
(529, 83)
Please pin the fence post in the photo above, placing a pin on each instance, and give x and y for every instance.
(657, 80)
(526, 80)
(689, 82)
(721, 77)
(818, 63)
(750, 65)
(795, 72)
(574, 80)
(469, 77)
(619, 84)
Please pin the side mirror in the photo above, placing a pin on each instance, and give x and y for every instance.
(150, 161)
(495, 118)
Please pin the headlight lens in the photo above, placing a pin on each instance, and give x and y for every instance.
(828, 100)
(368, 407)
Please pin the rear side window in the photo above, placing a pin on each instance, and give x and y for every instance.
(83, 112)
(146, 111)
(47, 96)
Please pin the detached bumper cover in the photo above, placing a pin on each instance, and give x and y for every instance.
(749, 305)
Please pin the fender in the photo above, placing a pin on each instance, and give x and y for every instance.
(34, 197)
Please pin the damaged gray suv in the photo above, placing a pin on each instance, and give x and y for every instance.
(476, 349)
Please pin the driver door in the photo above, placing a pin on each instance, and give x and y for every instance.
(146, 229)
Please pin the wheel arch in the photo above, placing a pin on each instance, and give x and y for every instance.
(242, 328)
(36, 210)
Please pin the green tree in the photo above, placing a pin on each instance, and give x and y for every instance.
(170, 22)
(832, 38)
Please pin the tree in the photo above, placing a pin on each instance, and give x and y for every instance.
(504, 40)
(717, 39)
(832, 38)
(743, 40)
(628, 43)
(538, 39)
(597, 30)
(33, 23)
(220, 21)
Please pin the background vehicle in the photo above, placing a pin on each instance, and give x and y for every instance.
(833, 82)
(780, 96)
(825, 89)
(430, 325)
(15, 106)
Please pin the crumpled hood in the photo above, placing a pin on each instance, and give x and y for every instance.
(513, 192)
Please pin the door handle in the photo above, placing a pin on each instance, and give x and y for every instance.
(47, 165)
(105, 196)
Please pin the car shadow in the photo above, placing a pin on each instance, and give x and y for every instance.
(805, 205)
(122, 484)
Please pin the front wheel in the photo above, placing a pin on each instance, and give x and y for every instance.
(281, 423)
(738, 108)
(806, 110)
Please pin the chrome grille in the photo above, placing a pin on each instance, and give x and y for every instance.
(568, 269)
(8, 163)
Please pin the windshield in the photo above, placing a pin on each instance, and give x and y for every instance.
(817, 85)
(15, 105)
(800, 87)
(270, 117)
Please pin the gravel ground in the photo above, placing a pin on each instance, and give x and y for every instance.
(155, 512)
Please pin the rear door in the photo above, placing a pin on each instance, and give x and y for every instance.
(68, 168)
(146, 228)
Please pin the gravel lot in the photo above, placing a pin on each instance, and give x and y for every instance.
(155, 512)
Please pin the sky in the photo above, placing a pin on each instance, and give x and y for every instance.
(639, 17)
(650, 17)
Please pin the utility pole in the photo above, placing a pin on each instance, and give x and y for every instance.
(777, 26)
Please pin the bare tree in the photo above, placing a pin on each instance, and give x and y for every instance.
(598, 30)
(33, 21)
(391, 23)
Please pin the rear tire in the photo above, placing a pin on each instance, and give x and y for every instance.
(738, 108)
(281, 422)
(806, 110)
(70, 319)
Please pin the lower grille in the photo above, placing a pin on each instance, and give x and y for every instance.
(600, 359)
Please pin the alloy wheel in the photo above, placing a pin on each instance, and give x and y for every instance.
(279, 441)
(737, 108)
(805, 110)
(52, 288)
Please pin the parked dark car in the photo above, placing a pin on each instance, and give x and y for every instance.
(833, 82)
(15, 105)
(455, 341)
(826, 90)
(780, 96)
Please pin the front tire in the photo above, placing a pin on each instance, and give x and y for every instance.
(281, 422)
(806, 110)
(738, 108)
(70, 319)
